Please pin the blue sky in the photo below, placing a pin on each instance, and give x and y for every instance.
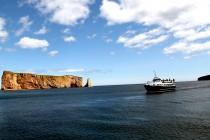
(109, 41)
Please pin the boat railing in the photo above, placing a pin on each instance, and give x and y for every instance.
(161, 80)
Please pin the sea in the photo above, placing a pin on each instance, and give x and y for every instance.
(122, 112)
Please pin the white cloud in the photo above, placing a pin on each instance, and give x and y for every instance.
(109, 40)
(142, 40)
(5, 49)
(31, 43)
(130, 32)
(70, 70)
(193, 34)
(177, 47)
(92, 36)
(3, 32)
(53, 53)
(64, 12)
(162, 12)
(26, 23)
(66, 31)
(187, 57)
(69, 39)
(188, 21)
(9, 49)
(41, 31)
(188, 48)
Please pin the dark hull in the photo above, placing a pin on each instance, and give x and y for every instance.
(159, 89)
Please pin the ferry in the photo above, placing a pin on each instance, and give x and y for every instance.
(158, 85)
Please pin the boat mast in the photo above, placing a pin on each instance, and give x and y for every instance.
(155, 73)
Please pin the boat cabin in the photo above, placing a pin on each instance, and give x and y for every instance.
(156, 79)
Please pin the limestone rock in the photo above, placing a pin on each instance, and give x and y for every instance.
(89, 83)
(22, 81)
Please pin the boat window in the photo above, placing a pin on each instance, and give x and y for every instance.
(156, 80)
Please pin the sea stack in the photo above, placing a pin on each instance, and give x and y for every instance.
(26, 81)
(89, 83)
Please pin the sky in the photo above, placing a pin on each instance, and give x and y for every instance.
(109, 41)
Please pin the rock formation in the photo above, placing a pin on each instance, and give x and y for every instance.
(207, 77)
(21, 81)
(89, 83)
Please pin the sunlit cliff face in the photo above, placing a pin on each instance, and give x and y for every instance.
(20, 81)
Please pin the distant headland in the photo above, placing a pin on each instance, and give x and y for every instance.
(203, 78)
(26, 81)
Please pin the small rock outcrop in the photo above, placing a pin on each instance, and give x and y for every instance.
(89, 83)
(24, 81)
(203, 78)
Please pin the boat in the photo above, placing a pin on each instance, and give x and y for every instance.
(158, 85)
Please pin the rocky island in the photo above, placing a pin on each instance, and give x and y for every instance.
(89, 83)
(206, 77)
(25, 81)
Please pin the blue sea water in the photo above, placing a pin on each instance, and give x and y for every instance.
(122, 112)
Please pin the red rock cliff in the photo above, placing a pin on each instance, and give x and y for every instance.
(21, 81)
